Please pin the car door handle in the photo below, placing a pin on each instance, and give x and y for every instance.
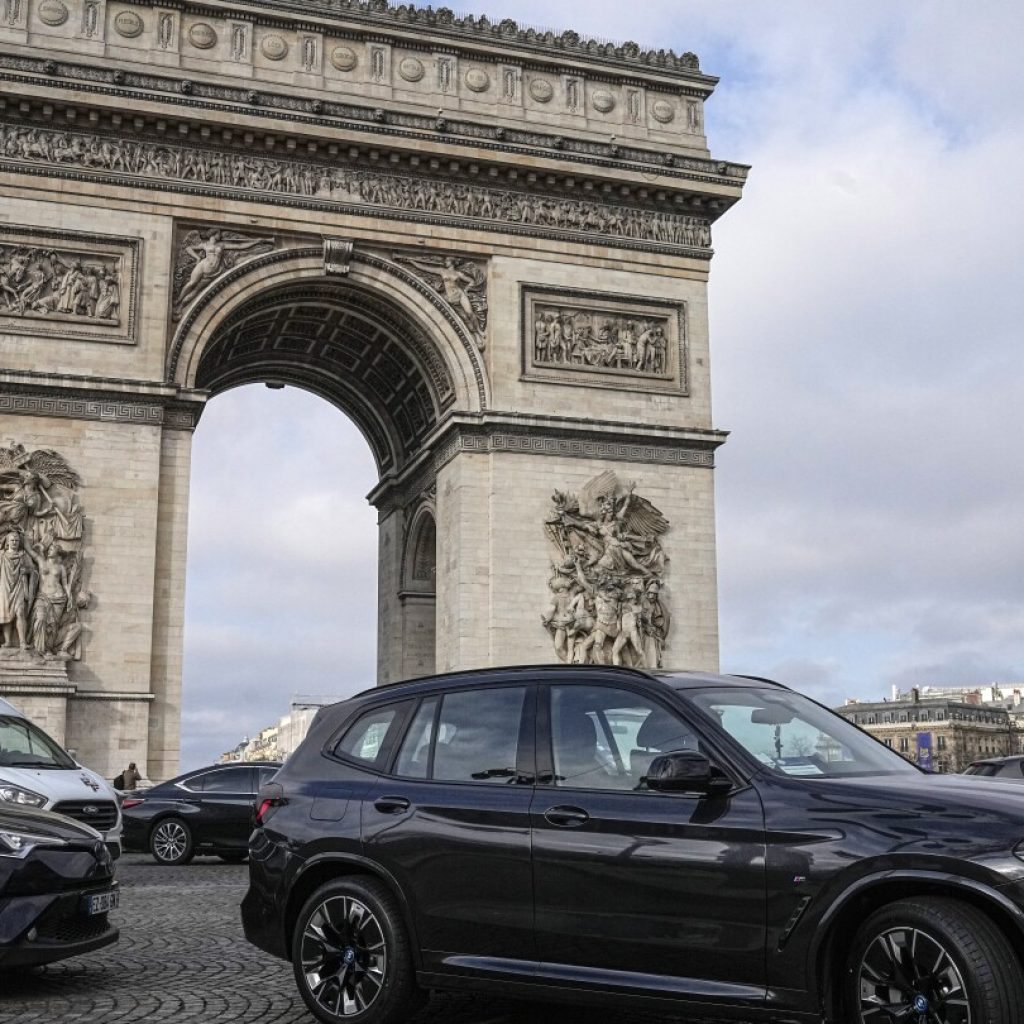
(566, 817)
(392, 804)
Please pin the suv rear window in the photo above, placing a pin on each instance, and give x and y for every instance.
(365, 739)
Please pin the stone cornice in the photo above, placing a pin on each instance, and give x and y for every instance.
(445, 196)
(186, 94)
(378, 16)
(564, 437)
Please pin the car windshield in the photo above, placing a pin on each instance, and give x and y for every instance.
(792, 735)
(24, 745)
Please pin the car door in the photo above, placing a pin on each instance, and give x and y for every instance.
(651, 890)
(226, 807)
(451, 823)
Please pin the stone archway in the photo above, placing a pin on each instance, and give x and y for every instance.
(489, 246)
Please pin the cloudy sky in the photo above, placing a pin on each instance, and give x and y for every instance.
(866, 311)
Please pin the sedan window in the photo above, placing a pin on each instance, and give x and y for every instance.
(230, 780)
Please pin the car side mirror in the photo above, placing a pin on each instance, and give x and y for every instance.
(686, 771)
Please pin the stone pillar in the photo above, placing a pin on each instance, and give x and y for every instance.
(164, 729)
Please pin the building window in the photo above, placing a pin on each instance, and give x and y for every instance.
(888, 741)
(904, 744)
(940, 743)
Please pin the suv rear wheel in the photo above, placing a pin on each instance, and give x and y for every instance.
(932, 959)
(352, 957)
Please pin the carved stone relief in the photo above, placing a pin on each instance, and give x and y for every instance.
(603, 340)
(129, 25)
(350, 186)
(344, 58)
(607, 604)
(68, 284)
(52, 12)
(203, 256)
(41, 559)
(462, 282)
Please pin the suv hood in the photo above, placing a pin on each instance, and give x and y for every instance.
(58, 784)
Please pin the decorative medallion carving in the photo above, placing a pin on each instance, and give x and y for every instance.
(202, 36)
(477, 80)
(462, 282)
(129, 25)
(41, 559)
(274, 47)
(607, 605)
(411, 69)
(344, 58)
(604, 102)
(203, 256)
(542, 90)
(68, 284)
(603, 340)
(663, 111)
(53, 13)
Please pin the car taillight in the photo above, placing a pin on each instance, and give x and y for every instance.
(264, 807)
(131, 803)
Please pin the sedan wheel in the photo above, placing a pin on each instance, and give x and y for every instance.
(351, 955)
(932, 961)
(171, 842)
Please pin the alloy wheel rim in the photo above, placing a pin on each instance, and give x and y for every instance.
(344, 956)
(908, 976)
(169, 841)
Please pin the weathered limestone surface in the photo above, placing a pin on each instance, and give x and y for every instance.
(503, 241)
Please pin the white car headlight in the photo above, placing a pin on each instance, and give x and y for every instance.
(16, 795)
(16, 843)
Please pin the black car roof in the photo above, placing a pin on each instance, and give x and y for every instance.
(677, 680)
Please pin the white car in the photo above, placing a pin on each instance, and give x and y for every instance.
(35, 771)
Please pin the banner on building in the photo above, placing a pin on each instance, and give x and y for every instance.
(924, 750)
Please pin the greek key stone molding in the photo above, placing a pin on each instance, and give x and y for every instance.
(69, 285)
(319, 183)
(106, 410)
(603, 340)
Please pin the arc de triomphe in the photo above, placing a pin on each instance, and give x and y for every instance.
(487, 245)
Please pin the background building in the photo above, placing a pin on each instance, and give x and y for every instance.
(278, 742)
(944, 728)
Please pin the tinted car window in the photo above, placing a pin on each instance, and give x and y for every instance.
(982, 769)
(229, 780)
(364, 739)
(414, 755)
(478, 735)
(266, 774)
(605, 738)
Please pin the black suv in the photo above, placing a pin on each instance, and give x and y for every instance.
(720, 846)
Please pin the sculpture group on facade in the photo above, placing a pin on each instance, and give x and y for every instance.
(580, 338)
(202, 258)
(350, 185)
(462, 282)
(41, 561)
(42, 282)
(607, 582)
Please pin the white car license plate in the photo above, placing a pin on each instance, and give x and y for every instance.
(102, 902)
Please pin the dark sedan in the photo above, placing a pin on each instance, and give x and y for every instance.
(208, 811)
(56, 888)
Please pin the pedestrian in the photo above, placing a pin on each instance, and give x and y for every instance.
(130, 778)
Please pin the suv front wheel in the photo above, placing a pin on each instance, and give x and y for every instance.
(352, 957)
(932, 959)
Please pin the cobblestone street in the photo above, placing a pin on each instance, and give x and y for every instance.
(182, 958)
